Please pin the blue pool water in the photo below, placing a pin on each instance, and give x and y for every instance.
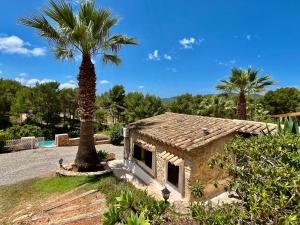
(46, 144)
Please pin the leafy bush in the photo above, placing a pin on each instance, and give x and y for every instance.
(3, 137)
(102, 155)
(74, 133)
(124, 193)
(197, 189)
(290, 125)
(265, 173)
(115, 134)
(24, 131)
(124, 211)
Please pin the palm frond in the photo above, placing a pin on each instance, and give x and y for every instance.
(62, 13)
(40, 23)
(63, 53)
(115, 42)
(111, 58)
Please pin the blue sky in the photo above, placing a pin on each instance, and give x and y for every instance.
(184, 46)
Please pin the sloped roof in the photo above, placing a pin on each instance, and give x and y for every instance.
(188, 132)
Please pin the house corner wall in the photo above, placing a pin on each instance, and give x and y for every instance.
(201, 171)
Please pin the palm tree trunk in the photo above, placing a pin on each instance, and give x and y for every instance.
(241, 108)
(86, 158)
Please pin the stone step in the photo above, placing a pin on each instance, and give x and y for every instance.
(78, 218)
(70, 200)
(52, 201)
(76, 207)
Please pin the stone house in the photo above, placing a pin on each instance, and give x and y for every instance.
(173, 149)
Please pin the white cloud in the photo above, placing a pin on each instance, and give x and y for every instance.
(229, 63)
(141, 87)
(33, 82)
(104, 82)
(187, 42)
(23, 75)
(172, 69)
(69, 84)
(248, 37)
(69, 76)
(154, 56)
(167, 57)
(21, 80)
(1, 72)
(15, 45)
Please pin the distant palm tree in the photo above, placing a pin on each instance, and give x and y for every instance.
(244, 82)
(216, 106)
(86, 33)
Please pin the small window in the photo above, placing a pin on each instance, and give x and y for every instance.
(143, 155)
(137, 152)
(173, 174)
(148, 158)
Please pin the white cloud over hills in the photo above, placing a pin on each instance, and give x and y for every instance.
(15, 45)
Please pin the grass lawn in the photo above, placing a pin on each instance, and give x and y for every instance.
(31, 192)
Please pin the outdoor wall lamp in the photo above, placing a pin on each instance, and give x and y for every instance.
(166, 194)
(60, 162)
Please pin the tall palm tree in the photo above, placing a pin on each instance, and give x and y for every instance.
(244, 82)
(86, 32)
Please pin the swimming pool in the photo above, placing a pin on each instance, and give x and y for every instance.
(46, 144)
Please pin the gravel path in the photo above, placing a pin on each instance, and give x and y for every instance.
(28, 164)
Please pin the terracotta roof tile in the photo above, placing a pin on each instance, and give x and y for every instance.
(188, 132)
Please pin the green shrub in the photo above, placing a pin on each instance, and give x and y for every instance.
(265, 173)
(138, 201)
(4, 135)
(25, 131)
(115, 134)
(102, 155)
(74, 133)
(197, 189)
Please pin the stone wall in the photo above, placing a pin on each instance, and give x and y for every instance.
(64, 140)
(200, 170)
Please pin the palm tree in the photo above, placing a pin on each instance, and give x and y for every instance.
(86, 33)
(244, 82)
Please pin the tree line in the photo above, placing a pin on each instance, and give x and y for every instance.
(49, 107)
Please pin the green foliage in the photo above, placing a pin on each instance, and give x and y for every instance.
(266, 180)
(137, 220)
(138, 200)
(282, 100)
(288, 125)
(41, 103)
(115, 134)
(24, 131)
(139, 106)
(125, 211)
(111, 216)
(8, 89)
(102, 155)
(74, 133)
(101, 118)
(4, 136)
(69, 106)
(206, 214)
(244, 83)
(182, 104)
(197, 189)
